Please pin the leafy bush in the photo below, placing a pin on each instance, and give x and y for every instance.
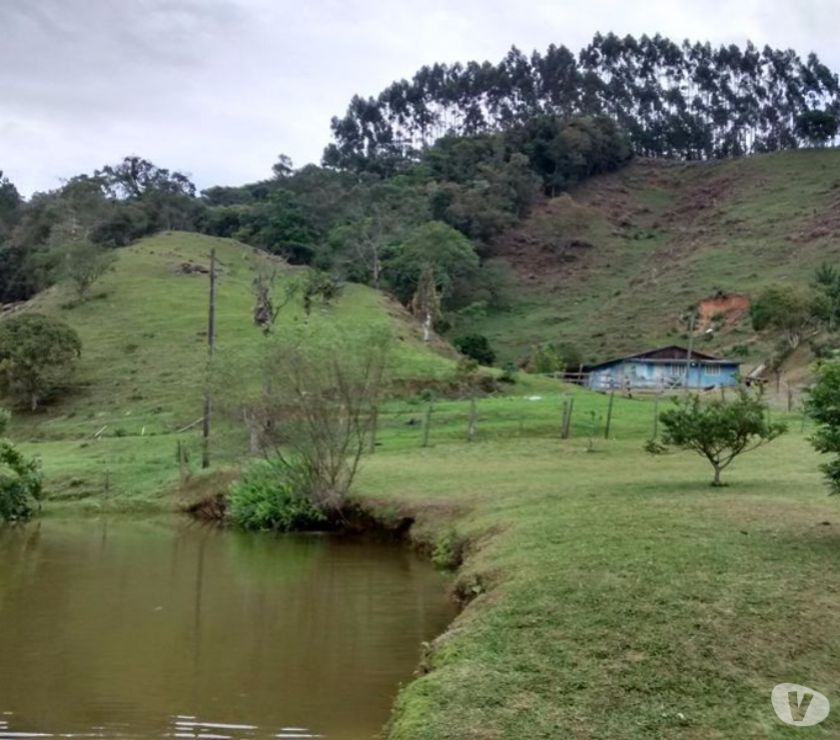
(20, 480)
(717, 430)
(273, 495)
(508, 373)
(823, 406)
(37, 354)
(477, 347)
(545, 359)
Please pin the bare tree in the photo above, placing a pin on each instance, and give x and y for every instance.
(318, 405)
(268, 303)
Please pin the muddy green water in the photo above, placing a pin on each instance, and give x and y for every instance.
(148, 629)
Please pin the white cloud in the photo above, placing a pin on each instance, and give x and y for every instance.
(218, 88)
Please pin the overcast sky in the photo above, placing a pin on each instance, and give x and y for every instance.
(218, 88)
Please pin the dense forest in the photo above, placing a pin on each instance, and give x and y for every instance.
(421, 181)
(686, 100)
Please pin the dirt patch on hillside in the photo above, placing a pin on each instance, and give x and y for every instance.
(823, 223)
(555, 239)
(723, 309)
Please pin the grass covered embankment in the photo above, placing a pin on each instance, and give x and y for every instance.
(616, 595)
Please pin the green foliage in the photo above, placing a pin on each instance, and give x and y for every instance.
(448, 552)
(823, 406)
(718, 430)
(273, 495)
(546, 358)
(476, 346)
(319, 285)
(37, 354)
(20, 479)
(790, 309)
(827, 281)
(508, 373)
(817, 126)
(83, 263)
(675, 100)
(435, 244)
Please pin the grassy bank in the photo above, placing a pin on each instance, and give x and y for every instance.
(619, 595)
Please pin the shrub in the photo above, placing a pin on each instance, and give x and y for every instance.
(37, 355)
(273, 495)
(717, 430)
(823, 406)
(20, 480)
(545, 359)
(477, 347)
(508, 373)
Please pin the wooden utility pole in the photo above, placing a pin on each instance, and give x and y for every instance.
(656, 412)
(211, 340)
(690, 347)
(609, 414)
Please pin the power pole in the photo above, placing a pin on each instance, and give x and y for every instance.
(211, 341)
(690, 347)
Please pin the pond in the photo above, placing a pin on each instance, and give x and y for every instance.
(127, 628)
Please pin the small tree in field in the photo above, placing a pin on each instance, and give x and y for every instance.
(37, 354)
(20, 479)
(84, 263)
(823, 406)
(318, 405)
(718, 430)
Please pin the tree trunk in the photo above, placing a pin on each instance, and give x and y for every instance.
(33, 402)
(717, 481)
(427, 326)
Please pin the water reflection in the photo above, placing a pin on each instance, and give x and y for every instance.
(157, 629)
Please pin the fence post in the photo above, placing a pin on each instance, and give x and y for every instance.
(472, 420)
(563, 416)
(565, 432)
(609, 414)
(374, 420)
(656, 413)
(427, 422)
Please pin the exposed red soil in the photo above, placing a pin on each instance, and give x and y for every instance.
(730, 307)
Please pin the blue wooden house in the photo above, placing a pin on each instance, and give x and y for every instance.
(662, 368)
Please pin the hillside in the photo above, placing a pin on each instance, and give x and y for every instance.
(141, 376)
(613, 265)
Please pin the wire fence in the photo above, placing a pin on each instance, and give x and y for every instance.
(574, 414)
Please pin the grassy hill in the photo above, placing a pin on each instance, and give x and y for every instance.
(141, 376)
(613, 265)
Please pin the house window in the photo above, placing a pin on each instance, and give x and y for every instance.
(712, 369)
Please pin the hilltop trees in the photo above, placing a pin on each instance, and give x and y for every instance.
(37, 354)
(687, 101)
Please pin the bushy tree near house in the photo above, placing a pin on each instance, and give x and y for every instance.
(789, 309)
(823, 406)
(717, 430)
(37, 355)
